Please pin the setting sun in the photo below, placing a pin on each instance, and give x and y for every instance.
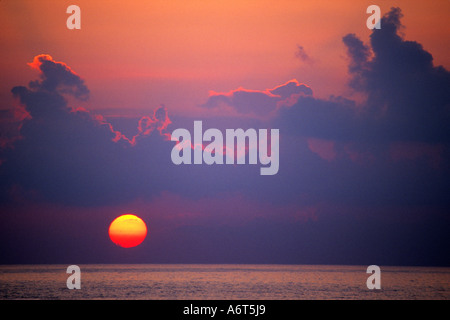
(127, 231)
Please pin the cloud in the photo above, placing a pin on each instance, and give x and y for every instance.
(359, 54)
(406, 94)
(302, 55)
(347, 170)
(71, 156)
(257, 102)
(57, 76)
(292, 87)
(327, 146)
(347, 152)
(407, 97)
(335, 118)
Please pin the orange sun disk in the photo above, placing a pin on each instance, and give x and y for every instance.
(127, 231)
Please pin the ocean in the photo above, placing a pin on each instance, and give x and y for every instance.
(222, 282)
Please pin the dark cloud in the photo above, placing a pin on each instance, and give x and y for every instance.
(57, 76)
(330, 119)
(302, 55)
(10, 123)
(359, 54)
(407, 96)
(73, 156)
(70, 156)
(290, 88)
(359, 173)
(406, 93)
(257, 102)
(389, 149)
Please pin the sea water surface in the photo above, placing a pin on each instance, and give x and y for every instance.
(224, 282)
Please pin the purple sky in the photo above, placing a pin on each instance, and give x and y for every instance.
(360, 181)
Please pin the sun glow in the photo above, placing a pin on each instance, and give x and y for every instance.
(127, 231)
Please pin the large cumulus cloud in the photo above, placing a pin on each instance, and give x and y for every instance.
(405, 91)
(57, 76)
(69, 155)
(397, 137)
(352, 176)
(392, 148)
(407, 97)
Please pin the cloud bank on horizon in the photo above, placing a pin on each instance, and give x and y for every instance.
(407, 106)
(391, 151)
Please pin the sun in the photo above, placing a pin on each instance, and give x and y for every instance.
(127, 231)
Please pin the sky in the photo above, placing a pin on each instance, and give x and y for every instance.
(87, 116)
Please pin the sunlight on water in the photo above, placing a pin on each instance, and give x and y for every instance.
(228, 282)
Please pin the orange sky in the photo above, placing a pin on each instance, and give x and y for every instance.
(136, 55)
